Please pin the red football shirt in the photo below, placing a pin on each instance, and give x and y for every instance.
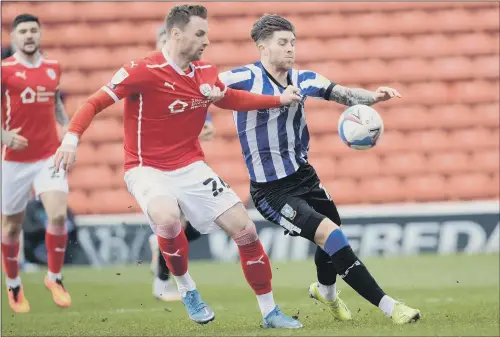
(165, 109)
(28, 102)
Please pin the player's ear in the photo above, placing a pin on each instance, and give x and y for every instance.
(175, 33)
(261, 47)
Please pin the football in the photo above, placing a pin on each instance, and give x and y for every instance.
(360, 127)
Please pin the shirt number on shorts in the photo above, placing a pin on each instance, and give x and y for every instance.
(216, 189)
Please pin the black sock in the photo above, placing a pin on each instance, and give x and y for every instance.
(163, 271)
(355, 274)
(191, 232)
(327, 275)
(351, 269)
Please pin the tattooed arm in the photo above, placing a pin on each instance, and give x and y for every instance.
(353, 96)
(61, 116)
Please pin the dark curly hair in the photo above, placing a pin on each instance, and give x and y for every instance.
(268, 24)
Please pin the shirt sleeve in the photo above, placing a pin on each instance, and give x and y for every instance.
(238, 79)
(128, 80)
(315, 85)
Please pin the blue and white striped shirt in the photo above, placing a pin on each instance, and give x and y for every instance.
(275, 142)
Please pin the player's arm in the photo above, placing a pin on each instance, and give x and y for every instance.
(241, 100)
(125, 82)
(13, 140)
(354, 96)
(318, 86)
(61, 116)
(244, 101)
(234, 84)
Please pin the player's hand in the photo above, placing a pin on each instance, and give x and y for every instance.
(13, 140)
(208, 132)
(65, 157)
(291, 95)
(386, 93)
(215, 94)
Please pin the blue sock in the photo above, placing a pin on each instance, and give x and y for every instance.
(335, 242)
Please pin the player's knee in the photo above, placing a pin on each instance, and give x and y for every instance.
(57, 218)
(166, 216)
(246, 235)
(163, 211)
(234, 220)
(325, 228)
(11, 227)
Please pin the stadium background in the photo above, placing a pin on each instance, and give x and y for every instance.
(441, 142)
(430, 186)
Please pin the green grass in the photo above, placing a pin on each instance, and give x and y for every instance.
(458, 295)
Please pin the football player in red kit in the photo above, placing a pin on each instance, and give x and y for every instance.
(167, 95)
(31, 106)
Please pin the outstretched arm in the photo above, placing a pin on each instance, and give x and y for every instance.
(66, 154)
(245, 101)
(354, 96)
(125, 82)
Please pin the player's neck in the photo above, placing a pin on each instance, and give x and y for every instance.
(278, 74)
(180, 60)
(31, 59)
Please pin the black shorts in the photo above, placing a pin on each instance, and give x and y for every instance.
(298, 202)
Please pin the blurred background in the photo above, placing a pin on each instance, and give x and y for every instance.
(429, 189)
(441, 142)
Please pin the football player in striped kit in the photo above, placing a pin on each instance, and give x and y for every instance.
(284, 186)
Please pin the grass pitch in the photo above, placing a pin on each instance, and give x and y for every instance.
(458, 295)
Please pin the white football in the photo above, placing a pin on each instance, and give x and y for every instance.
(360, 127)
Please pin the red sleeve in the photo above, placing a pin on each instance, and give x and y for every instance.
(221, 85)
(82, 118)
(128, 80)
(245, 101)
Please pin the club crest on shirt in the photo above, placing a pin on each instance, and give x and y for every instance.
(288, 212)
(205, 89)
(51, 73)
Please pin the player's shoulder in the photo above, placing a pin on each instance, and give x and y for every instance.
(251, 67)
(50, 62)
(152, 60)
(304, 75)
(204, 65)
(10, 62)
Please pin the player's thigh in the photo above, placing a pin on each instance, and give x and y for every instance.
(291, 212)
(154, 193)
(203, 196)
(234, 220)
(46, 180)
(320, 200)
(55, 204)
(17, 179)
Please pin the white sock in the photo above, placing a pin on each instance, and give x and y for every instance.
(158, 286)
(329, 293)
(387, 305)
(266, 303)
(184, 283)
(53, 276)
(13, 282)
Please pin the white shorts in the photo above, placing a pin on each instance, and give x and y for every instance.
(18, 179)
(197, 189)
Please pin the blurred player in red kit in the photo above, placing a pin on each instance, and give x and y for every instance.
(31, 106)
(167, 95)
